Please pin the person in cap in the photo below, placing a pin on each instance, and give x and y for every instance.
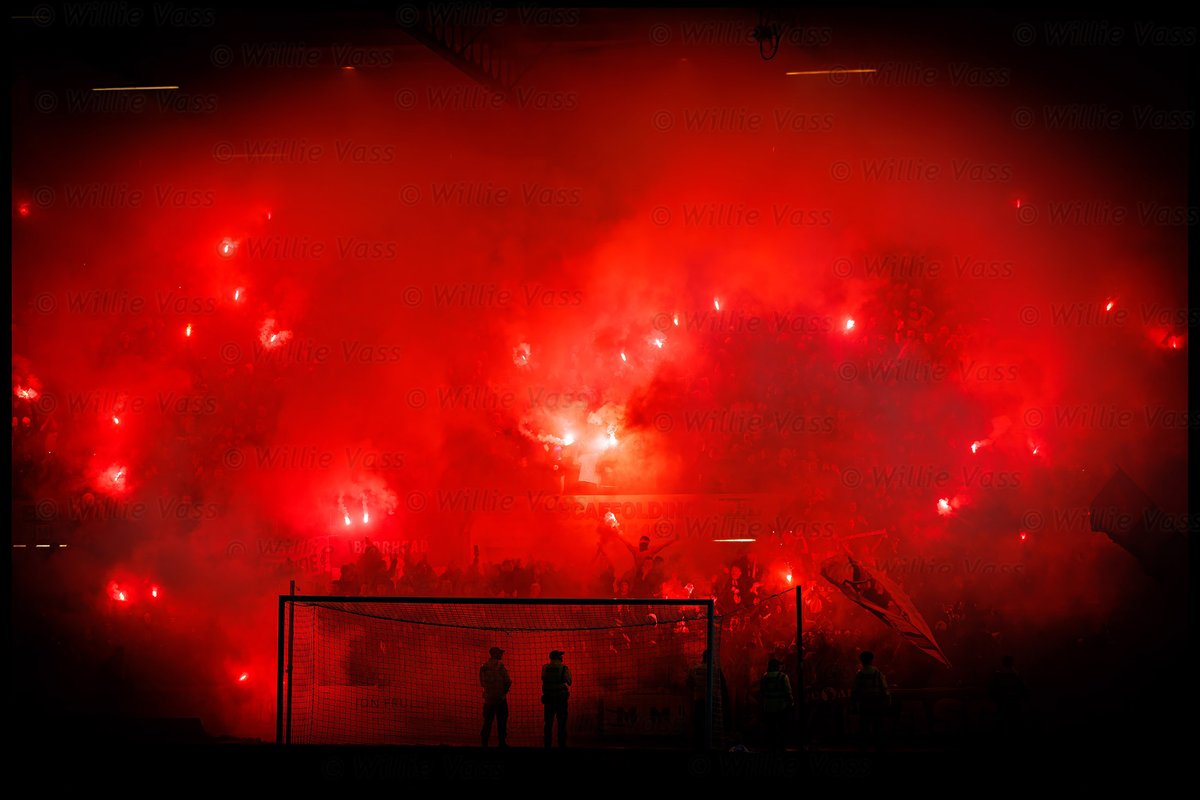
(493, 677)
(556, 689)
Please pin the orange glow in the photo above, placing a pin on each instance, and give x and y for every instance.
(133, 88)
(830, 72)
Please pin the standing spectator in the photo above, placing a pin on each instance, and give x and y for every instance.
(1008, 692)
(775, 693)
(556, 689)
(871, 696)
(493, 677)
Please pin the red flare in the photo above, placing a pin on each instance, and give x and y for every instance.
(269, 336)
(115, 476)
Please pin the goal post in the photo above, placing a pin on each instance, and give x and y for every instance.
(405, 670)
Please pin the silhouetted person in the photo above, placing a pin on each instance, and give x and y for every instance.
(372, 570)
(349, 583)
(698, 686)
(493, 677)
(556, 689)
(871, 696)
(775, 693)
(643, 550)
(1008, 692)
(643, 581)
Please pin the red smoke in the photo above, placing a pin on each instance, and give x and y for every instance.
(454, 313)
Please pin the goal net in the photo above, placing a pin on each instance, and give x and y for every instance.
(394, 670)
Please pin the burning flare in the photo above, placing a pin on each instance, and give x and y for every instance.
(271, 338)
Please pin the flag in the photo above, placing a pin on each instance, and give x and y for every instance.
(884, 599)
(587, 468)
(1130, 518)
